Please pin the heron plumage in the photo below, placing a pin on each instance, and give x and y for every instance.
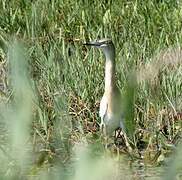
(111, 102)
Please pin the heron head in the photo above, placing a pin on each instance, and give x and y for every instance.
(106, 45)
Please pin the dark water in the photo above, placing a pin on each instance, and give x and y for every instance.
(144, 171)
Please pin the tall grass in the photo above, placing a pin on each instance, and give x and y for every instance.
(51, 85)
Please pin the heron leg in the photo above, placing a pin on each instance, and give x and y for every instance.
(126, 142)
(120, 134)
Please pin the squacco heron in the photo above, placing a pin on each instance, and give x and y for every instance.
(111, 103)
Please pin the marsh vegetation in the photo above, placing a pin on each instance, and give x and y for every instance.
(51, 85)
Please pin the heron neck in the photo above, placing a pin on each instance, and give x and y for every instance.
(109, 75)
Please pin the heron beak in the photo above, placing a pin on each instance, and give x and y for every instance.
(92, 43)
